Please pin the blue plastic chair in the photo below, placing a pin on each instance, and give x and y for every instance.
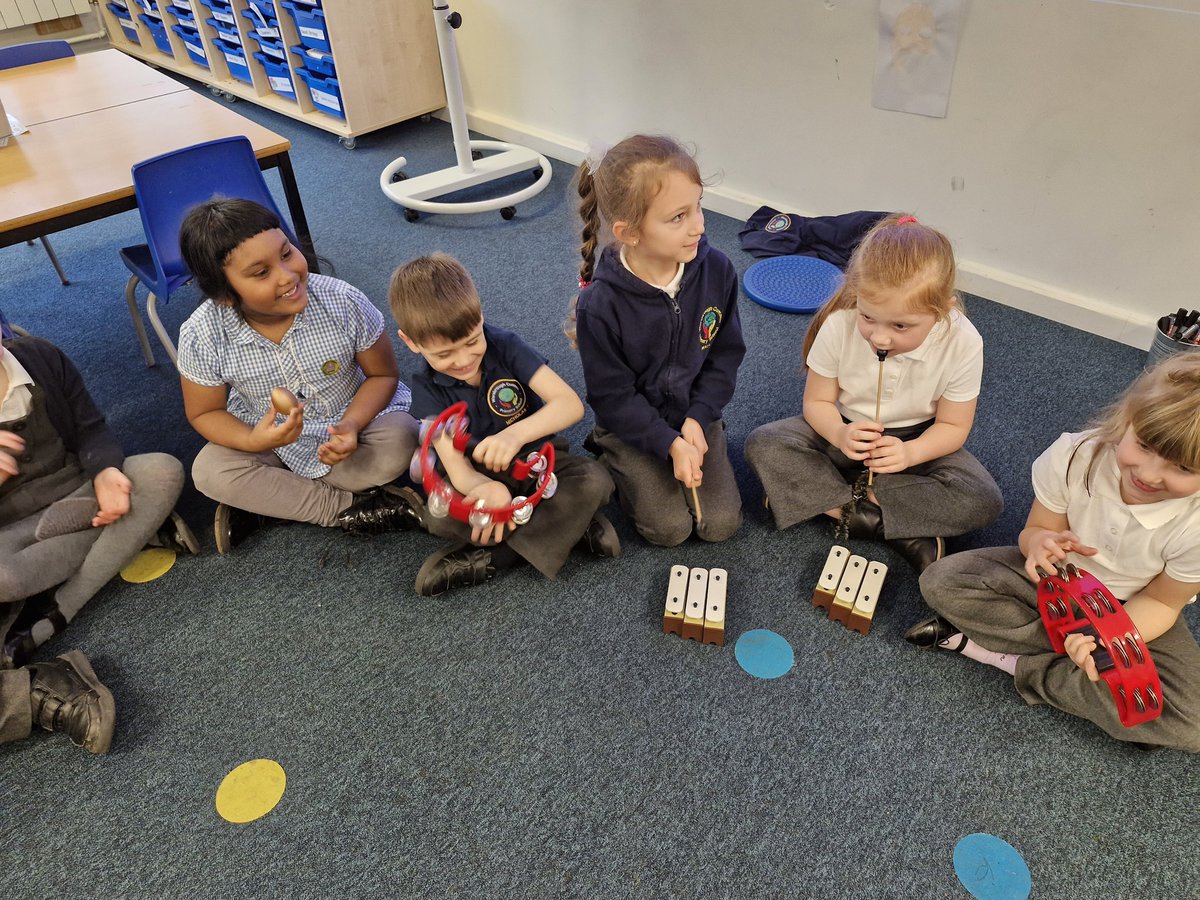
(26, 55)
(167, 187)
(8, 329)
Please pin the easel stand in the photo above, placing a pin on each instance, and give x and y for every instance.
(417, 194)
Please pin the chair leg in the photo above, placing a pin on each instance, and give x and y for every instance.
(136, 315)
(62, 276)
(160, 329)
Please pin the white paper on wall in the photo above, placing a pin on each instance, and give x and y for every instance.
(918, 41)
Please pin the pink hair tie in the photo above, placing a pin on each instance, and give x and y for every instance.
(903, 220)
(583, 284)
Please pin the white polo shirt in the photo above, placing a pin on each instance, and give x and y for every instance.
(17, 400)
(1136, 541)
(949, 363)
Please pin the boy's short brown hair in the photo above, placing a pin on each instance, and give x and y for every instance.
(434, 297)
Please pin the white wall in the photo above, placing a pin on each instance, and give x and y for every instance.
(1074, 126)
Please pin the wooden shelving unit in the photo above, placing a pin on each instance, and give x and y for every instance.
(385, 52)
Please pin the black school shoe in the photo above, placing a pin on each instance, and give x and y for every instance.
(920, 552)
(456, 565)
(600, 538)
(928, 634)
(231, 526)
(18, 646)
(384, 509)
(66, 696)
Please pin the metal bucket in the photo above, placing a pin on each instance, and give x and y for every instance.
(1164, 346)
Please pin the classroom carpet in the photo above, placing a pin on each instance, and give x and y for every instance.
(531, 738)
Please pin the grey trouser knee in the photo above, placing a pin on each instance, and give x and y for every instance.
(660, 507)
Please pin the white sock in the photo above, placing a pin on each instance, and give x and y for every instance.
(1005, 662)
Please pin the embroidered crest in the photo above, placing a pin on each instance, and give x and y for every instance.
(330, 367)
(710, 324)
(506, 398)
(781, 222)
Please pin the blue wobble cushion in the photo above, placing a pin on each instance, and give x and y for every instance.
(795, 284)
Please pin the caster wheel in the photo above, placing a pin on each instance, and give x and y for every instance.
(508, 212)
(398, 176)
(230, 97)
(214, 90)
(537, 173)
(411, 215)
(476, 154)
(348, 142)
(427, 118)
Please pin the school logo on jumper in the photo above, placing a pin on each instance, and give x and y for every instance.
(506, 398)
(781, 222)
(710, 324)
(331, 367)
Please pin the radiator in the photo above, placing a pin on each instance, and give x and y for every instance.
(14, 13)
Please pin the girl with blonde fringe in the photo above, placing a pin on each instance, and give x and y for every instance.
(659, 336)
(894, 370)
(1121, 500)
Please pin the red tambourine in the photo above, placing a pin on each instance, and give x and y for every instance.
(444, 500)
(1122, 657)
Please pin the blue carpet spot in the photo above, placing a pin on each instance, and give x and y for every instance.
(764, 654)
(991, 869)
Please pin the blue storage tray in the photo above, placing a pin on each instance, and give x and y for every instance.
(222, 11)
(183, 15)
(317, 61)
(122, 13)
(235, 59)
(159, 32)
(192, 43)
(148, 5)
(273, 49)
(310, 23)
(798, 284)
(266, 7)
(225, 32)
(266, 26)
(326, 94)
(278, 76)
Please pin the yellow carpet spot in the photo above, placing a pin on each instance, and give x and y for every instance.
(148, 565)
(251, 790)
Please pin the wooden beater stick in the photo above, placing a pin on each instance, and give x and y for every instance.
(882, 354)
(696, 501)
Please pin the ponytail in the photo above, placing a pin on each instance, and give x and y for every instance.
(589, 212)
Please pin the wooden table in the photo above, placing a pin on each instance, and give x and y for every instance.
(90, 118)
(80, 84)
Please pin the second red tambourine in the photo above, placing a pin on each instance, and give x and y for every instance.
(1122, 657)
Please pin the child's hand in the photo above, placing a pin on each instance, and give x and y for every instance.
(694, 435)
(343, 440)
(495, 495)
(859, 439)
(1050, 547)
(1079, 647)
(8, 461)
(266, 435)
(112, 493)
(889, 456)
(496, 452)
(686, 460)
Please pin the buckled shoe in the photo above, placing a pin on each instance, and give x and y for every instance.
(65, 695)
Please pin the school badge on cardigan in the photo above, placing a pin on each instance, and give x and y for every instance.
(710, 324)
(330, 367)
